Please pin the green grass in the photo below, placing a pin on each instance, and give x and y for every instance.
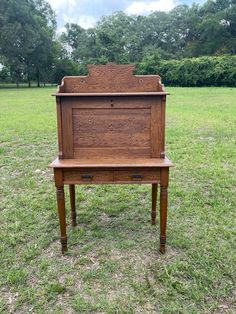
(113, 264)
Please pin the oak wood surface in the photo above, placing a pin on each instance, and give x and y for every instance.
(87, 176)
(67, 132)
(138, 175)
(163, 207)
(112, 102)
(59, 127)
(106, 127)
(112, 94)
(72, 204)
(112, 162)
(154, 203)
(111, 78)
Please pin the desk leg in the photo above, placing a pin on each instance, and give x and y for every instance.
(163, 218)
(72, 204)
(163, 207)
(154, 203)
(62, 216)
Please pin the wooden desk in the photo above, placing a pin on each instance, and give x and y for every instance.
(111, 129)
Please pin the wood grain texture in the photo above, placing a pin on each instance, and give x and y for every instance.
(163, 217)
(59, 127)
(118, 152)
(72, 204)
(123, 128)
(139, 175)
(112, 162)
(111, 78)
(139, 94)
(154, 203)
(87, 176)
(163, 207)
(156, 129)
(163, 123)
(62, 216)
(67, 131)
(112, 175)
(104, 102)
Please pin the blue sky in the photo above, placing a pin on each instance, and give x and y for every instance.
(86, 13)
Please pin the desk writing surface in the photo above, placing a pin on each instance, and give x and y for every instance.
(109, 163)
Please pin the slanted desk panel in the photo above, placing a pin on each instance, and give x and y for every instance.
(119, 127)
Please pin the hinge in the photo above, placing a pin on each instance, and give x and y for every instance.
(163, 154)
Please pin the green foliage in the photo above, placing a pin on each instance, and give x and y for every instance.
(202, 71)
(63, 68)
(157, 42)
(214, 29)
(27, 30)
(207, 29)
(150, 64)
(5, 75)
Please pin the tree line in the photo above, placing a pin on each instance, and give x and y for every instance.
(197, 39)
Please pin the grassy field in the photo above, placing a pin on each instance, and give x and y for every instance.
(113, 264)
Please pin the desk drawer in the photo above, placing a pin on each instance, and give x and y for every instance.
(137, 176)
(87, 176)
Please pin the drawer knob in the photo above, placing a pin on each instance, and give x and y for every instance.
(137, 176)
(87, 177)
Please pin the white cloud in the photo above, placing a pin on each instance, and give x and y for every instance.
(56, 4)
(85, 21)
(145, 7)
(72, 3)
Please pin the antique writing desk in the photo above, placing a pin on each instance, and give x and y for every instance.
(111, 129)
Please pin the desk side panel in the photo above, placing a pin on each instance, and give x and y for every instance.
(59, 127)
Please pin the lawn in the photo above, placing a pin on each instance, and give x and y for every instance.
(113, 264)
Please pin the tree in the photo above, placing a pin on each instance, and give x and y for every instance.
(214, 32)
(26, 37)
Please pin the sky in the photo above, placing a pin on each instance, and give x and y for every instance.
(86, 13)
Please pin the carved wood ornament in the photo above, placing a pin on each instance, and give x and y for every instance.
(111, 78)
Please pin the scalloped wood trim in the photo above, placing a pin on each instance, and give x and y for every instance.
(111, 78)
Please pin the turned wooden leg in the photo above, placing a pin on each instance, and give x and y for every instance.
(72, 204)
(163, 218)
(62, 216)
(154, 203)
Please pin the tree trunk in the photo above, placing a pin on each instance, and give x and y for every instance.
(38, 79)
(28, 75)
